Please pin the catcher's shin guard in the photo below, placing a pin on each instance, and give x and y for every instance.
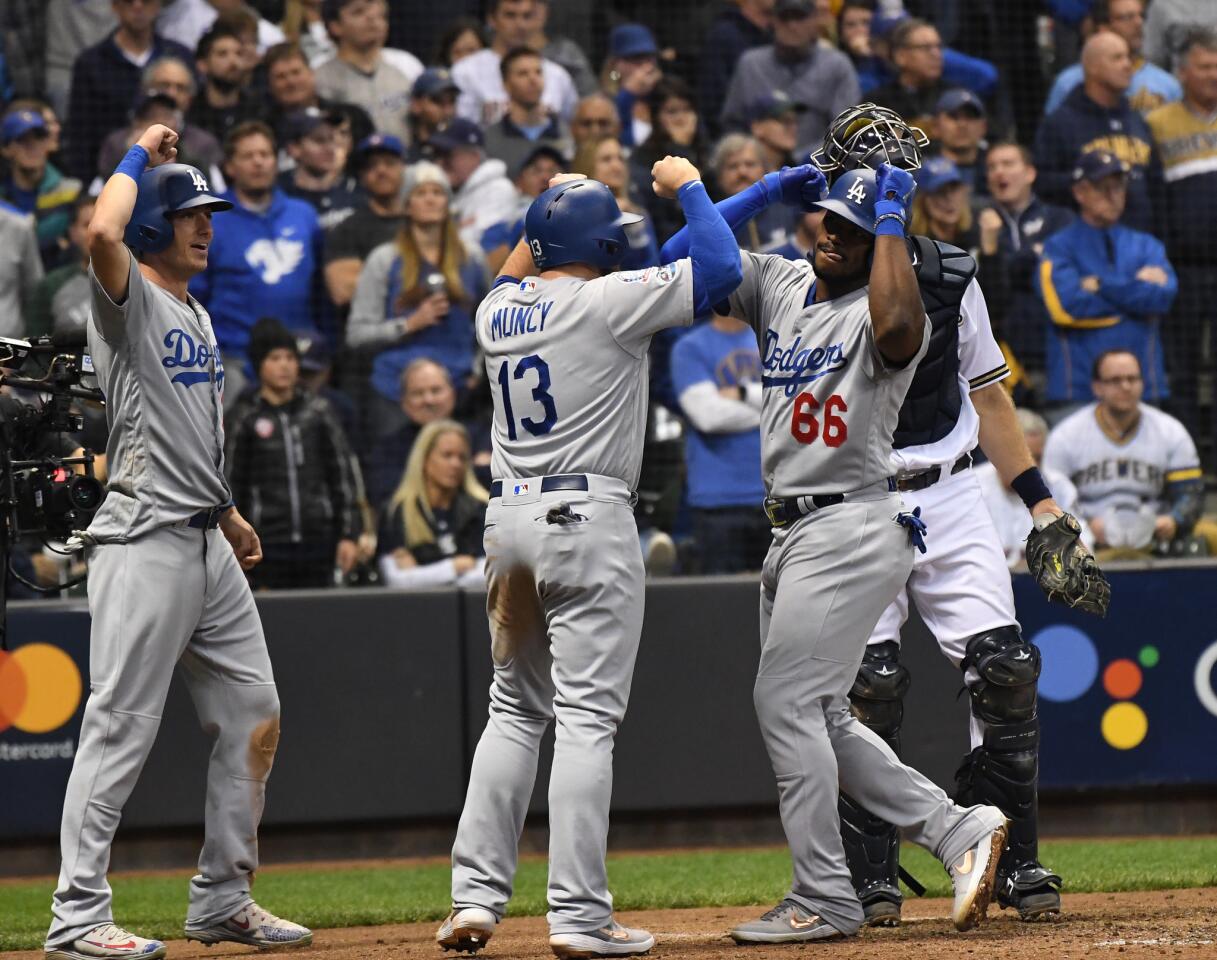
(1004, 769)
(872, 846)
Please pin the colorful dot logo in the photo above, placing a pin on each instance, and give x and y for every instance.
(40, 688)
(1070, 668)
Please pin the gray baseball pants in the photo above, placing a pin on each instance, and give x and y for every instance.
(565, 606)
(825, 582)
(175, 596)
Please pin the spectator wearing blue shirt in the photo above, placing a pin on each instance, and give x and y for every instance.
(1104, 286)
(417, 294)
(716, 372)
(35, 186)
(264, 253)
(1098, 117)
(1151, 86)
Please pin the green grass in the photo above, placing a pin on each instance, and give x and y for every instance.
(155, 906)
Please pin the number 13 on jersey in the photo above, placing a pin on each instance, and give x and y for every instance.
(831, 427)
(540, 395)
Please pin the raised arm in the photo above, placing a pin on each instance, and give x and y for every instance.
(712, 247)
(801, 185)
(110, 256)
(896, 310)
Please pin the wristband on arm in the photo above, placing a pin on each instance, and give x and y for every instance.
(134, 163)
(1030, 487)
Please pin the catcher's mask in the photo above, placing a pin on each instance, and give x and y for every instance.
(867, 135)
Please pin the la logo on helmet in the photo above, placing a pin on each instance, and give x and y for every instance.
(200, 184)
(857, 193)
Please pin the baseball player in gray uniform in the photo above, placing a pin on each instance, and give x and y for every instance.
(840, 338)
(165, 583)
(566, 355)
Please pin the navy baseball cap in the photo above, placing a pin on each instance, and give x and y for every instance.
(153, 98)
(885, 23)
(774, 106)
(960, 99)
(541, 150)
(433, 81)
(800, 8)
(632, 40)
(19, 123)
(458, 133)
(380, 143)
(936, 173)
(1097, 164)
(299, 124)
(330, 9)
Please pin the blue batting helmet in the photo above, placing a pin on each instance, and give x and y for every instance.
(853, 197)
(577, 222)
(163, 190)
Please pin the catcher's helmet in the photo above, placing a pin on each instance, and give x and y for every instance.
(867, 135)
(163, 190)
(853, 197)
(577, 222)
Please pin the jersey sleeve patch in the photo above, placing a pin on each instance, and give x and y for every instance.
(994, 375)
(660, 276)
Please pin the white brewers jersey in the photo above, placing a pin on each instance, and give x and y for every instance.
(566, 360)
(981, 363)
(830, 401)
(1122, 475)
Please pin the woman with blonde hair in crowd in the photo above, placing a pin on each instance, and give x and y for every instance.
(941, 208)
(603, 159)
(417, 294)
(431, 534)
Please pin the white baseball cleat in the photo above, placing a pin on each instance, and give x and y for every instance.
(974, 873)
(253, 926)
(466, 930)
(108, 940)
(613, 940)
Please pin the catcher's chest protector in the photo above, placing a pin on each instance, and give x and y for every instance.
(931, 406)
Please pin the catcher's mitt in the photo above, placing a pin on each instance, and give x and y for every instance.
(1063, 567)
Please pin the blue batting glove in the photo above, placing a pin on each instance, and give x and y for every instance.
(895, 189)
(788, 184)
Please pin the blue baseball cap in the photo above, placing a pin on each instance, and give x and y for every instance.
(959, 99)
(936, 173)
(380, 143)
(19, 123)
(458, 133)
(1097, 164)
(885, 23)
(774, 105)
(632, 40)
(300, 123)
(432, 81)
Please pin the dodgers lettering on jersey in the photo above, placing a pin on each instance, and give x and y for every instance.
(831, 401)
(567, 364)
(158, 364)
(1111, 473)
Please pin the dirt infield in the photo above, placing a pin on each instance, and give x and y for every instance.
(1180, 923)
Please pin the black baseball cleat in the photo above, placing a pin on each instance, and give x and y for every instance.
(1031, 890)
(881, 905)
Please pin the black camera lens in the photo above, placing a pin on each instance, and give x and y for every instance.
(84, 493)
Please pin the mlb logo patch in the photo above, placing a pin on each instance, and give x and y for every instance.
(519, 489)
(528, 285)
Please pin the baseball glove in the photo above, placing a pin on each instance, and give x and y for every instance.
(1065, 570)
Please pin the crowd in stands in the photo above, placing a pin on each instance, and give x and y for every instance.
(380, 157)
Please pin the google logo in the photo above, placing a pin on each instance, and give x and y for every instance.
(40, 688)
(1071, 666)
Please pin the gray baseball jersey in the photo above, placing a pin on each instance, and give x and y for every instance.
(160, 369)
(567, 363)
(831, 401)
(829, 410)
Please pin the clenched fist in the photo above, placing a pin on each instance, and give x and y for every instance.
(161, 144)
(672, 173)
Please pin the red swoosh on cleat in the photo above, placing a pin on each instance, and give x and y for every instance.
(238, 924)
(129, 945)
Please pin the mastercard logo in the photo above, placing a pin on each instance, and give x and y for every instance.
(40, 688)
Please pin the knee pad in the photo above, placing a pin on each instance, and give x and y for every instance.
(1003, 695)
(877, 696)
